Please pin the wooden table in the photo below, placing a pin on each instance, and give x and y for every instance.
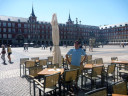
(119, 63)
(49, 71)
(90, 66)
(118, 95)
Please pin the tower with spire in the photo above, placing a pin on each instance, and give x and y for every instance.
(32, 17)
(69, 20)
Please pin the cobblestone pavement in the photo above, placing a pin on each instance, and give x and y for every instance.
(11, 84)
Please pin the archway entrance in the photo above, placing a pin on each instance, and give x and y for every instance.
(20, 39)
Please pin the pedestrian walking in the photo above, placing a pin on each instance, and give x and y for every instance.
(24, 47)
(9, 53)
(50, 48)
(3, 52)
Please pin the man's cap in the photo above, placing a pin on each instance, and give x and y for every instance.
(77, 41)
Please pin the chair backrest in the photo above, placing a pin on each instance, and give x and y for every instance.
(114, 58)
(97, 92)
(29, 63)
(50, 58)
(89, 57)
(99, 61)
(111, 69)
(43, 62)
(50, 66)
(23, 60)
(70, 58)
(62, 59)
(97, 71)
(70, 75)
(35, 58)
(51, 80)
(91, 62)
(120, 88)
(56, 65)
(82, 57)
(33, 71)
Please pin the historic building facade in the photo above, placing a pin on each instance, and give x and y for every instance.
(17, 31)
(115, 33)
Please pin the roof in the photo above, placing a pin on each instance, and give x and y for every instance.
(113, 25)
(10, 18)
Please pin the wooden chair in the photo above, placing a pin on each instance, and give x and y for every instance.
(120, 88)
(82, 57)
(97, 92)
(91, 62)
(110, 72)
(22, 64)
(50, 83)
(29, 64)
(69, 77)
(99, 61)
(43, 63)
(33, 74)
(95, 74)
(66, 64)
(123, 72)
(88, 58)
(50, 58)
(114, 58)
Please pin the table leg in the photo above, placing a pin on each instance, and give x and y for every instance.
(39, 89)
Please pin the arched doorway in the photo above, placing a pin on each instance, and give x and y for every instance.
(20, 39)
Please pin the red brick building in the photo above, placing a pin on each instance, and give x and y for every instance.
(17, 31)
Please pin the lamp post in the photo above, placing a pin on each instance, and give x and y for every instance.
(91, 44)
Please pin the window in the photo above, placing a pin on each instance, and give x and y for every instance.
(28, 36)
(9, 35)
(9, 29)
(8, 19)
(25, 31)
(4, 29)
(28, 25)
(19, 25)
(13, 24)
(33, 26)
(0, 36)
(13, 30)
(18, 20)
(19, 30)
(9, 24)
(4, 24)
(0, 29)
(4, 35)
(0, 23)
(25, 25)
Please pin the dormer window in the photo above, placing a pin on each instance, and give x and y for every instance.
(18, 20)
(8, 19)
(120, 25)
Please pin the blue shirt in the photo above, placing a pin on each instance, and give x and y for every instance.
(76, 56)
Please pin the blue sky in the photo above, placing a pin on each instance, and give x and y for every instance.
(90, 12)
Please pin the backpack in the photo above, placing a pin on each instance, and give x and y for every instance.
(3, 51)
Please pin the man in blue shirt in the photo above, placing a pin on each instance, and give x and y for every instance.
(76, 53)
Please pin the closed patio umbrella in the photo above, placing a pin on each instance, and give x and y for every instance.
(55, 40)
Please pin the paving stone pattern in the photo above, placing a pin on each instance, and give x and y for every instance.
(11, 84)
